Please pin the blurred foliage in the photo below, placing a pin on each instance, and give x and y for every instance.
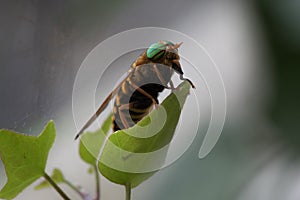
(280, 20)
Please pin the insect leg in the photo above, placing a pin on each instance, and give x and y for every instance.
(160, 77)
(188, 80)
(143, 92)
(172, 85)
(121, 114)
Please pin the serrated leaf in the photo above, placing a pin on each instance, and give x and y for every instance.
(24, 158)
(91, 142)
(133, 155)
(57, 176)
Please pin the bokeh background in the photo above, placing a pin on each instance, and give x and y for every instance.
(256, 45)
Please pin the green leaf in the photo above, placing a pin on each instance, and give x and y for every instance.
(24, 158)
(56, 176)
(91, 142)
(133, 155)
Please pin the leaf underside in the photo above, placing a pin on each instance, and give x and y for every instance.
(133, 155)
(24, 158)
(91, 142)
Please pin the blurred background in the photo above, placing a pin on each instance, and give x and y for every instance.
(256, 45)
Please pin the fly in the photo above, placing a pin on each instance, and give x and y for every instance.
(149, 75)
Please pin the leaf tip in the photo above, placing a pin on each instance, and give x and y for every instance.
(51, 123)
(49, 128)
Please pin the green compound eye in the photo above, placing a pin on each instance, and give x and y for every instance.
(157, 50)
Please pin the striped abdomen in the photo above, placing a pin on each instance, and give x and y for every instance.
(130, 104)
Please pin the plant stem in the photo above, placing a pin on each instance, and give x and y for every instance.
(68, 183)
(56, 187)
(97, 183)
(128, 191)
(83, 195)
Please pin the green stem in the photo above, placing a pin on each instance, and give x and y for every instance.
(56, 187)
(76, 189)
(68, 183)
(128, 191)
(97, 183)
